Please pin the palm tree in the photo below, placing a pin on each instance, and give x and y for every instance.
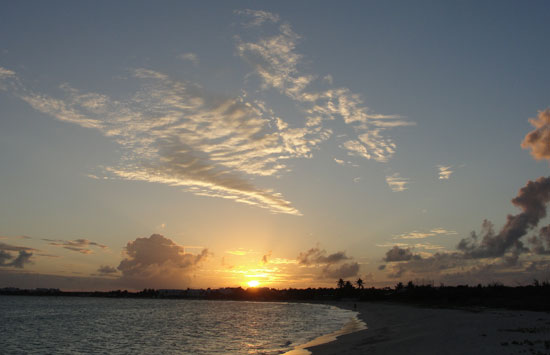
(341, 283)
(359, 283)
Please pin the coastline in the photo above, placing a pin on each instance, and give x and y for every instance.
(405, 329)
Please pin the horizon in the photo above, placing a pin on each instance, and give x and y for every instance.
(274, 144)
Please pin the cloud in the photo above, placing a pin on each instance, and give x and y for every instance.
(422, 235)
(106, 270)
(541, 241)
(340, 162)
(257, 17)
(319, 256)
(175, 133)
(239, 252)
(8, 259)
(266, 257)
(397, 183)
(398, 254)
(6, 73)
(158, 262)
(278, 64)
(192, 57)
(538, 140)
(444, 172)
(343, 271)
(532, 199)
(490, 254)
(79, 245)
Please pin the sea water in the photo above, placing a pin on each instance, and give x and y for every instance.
(72, 325)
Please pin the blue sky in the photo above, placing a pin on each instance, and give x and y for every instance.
(270, 130)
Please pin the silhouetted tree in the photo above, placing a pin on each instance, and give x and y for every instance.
(359, 283)
(348, 285)
(341, 283)
(399, 286)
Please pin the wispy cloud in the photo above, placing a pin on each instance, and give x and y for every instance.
(422, 235)
(277, 62)
(175, 133)
(444, 172)
(192, 57)
(239, 252)
(82, 246)
(258, 17)
(397, 183)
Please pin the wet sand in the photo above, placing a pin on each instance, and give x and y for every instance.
(402, 329)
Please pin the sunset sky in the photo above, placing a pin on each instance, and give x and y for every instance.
(209, 144)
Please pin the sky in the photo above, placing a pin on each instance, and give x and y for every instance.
(209, 144)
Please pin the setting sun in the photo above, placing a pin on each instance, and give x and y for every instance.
(253, 283)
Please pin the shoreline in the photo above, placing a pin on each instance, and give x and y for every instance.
(405, 329)
(356, 324)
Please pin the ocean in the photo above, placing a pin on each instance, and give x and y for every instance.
(85, 325)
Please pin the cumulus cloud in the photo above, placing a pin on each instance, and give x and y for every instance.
(9, 258)
(398, 254)
(158, 262)
(319, 256)
(79, 245)
(489, 254)
(397, 183)
(538, 140)
(541, 241)
(335, 265)
(342, 271)
(532, 199)
(444, 172)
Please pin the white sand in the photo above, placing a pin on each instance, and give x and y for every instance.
(401, 329)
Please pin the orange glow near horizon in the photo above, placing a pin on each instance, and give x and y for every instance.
(253, 283)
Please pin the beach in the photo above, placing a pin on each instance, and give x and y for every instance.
(403, 329)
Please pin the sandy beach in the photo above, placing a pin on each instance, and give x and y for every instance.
(403, 329)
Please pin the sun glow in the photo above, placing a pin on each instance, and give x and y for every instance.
(253, 283)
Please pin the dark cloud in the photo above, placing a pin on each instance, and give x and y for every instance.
(382, 267)
(399, 254)
(433, 264)
(541, 241)
(158, 262)
(79, 245)
(265, 258)
(532, 199)
(343, 271)
(9, 258)
(318, 256)
(538, 140)
(105, 270)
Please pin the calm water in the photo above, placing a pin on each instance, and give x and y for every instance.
(66, 325)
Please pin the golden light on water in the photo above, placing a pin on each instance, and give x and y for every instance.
(253, 283)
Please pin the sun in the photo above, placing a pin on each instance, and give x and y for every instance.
(253, 283)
